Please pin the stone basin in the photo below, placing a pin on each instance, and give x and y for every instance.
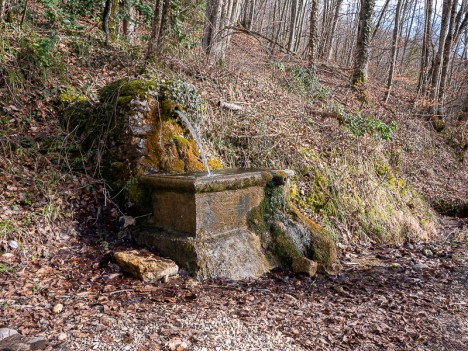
(200, 221)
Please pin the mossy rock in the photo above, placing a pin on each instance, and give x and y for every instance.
(124, 88)
(133, 130)
(282, 245)
(287, 234)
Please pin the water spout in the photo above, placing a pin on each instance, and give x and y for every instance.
(197, 140)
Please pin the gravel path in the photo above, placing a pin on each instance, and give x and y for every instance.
(202, 331)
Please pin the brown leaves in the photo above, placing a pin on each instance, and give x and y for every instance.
(379, 305)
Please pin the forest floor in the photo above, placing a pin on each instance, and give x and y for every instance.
(411, 297)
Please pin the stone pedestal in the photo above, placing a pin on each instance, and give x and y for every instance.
(201, 222)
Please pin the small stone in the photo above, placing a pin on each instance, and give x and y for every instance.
(126, 221)
(305, 266)
(6, 257)
(6, 332)
(62, 337)
(13, 244)
(428, 253)
(58, 308)
(419, 266)
(177, 344)
(145, 265)
(64, 236)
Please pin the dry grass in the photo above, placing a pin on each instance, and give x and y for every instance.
(368, 191)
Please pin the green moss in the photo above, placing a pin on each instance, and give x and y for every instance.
(168, 107)
(215, 164)
(381, 169)
(282, 246)
(70, 96)
(138, 196)
(126, 88)
(323, 248)
(319, 198)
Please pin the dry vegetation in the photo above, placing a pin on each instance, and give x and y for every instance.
(358, 163)
(363, 179)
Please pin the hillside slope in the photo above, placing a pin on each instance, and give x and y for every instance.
(359, 164)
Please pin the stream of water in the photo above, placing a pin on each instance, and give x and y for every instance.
(197, 140)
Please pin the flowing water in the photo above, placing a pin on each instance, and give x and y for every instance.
(197, 140)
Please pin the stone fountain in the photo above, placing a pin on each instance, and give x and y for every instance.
(231, 223)
(201, 222)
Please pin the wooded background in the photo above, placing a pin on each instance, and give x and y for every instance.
(422, 43)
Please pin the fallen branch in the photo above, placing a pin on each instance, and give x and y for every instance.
(230, 106)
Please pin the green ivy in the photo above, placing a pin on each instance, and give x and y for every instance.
(307, 81)
(360, 126)
(184, 94)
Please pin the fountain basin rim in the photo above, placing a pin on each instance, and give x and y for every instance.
(202, 183)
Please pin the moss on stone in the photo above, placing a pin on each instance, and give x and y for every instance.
(126, 88)
(215, 164)
(323, 248)
(134, 130)
(282, 246)
(168, 149)
(291, 234)
(138, 196)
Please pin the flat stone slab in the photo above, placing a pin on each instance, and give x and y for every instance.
(18, 342)
(7, 332)
(202, 183)
(145, 265)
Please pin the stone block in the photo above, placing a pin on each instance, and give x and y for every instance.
(305, 266)
(145, 265)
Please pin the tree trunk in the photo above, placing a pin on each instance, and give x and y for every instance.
(423, 73)
(396, 35)
(160, 21)
(447, 5)
(379, 21)
(361, 55)
(129, 23)
(113, 23)
(249, 13)
(329, 45)
(452, 38)
(221, 15)
(408, 33)
(313, 35)
(292, 25)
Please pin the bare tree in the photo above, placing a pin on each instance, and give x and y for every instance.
(361, 56)
(129, 22)
(423, 71)
(221, 16)
(313, 34)
(446, 8)
(248, 13)
(396, 34)
(329, 46)
(458, 20)
(110, 24)
(160, 21)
